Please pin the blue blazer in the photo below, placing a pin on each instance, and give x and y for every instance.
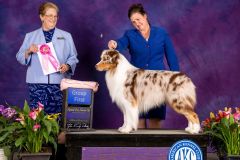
(149, 54)
(65, 50)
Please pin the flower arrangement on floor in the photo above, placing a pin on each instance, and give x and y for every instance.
(28, 129)
(224, 131)
(7, 134)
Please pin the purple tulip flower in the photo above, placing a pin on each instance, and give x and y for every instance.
(9, 112)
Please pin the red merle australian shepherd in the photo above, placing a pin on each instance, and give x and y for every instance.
(136, 90)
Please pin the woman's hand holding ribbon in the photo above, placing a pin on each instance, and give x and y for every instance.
(63, 68)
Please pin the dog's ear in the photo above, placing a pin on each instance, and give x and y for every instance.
(116, 51)
(114, 54)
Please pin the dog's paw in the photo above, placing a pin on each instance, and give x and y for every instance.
(125, 129)
(194, 129)
(188, 129)
(135, 128)
(121, 128)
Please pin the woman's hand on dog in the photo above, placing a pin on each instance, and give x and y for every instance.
(112, 44)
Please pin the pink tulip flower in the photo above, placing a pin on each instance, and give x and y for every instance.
(40, 106)
(36, 127)
(33, 115)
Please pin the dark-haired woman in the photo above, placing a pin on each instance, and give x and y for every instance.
(147, 46)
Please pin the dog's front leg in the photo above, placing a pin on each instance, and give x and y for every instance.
(124, 120)
(134, 117)
(130, 119)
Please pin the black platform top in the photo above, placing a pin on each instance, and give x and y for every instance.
(140, 138)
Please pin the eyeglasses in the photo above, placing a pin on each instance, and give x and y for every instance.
(51, 16)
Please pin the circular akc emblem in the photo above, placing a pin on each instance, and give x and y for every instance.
(185, 150)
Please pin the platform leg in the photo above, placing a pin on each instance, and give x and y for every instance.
(74, 153)
(204, 152)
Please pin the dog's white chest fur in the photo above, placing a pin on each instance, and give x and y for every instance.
(115, 82)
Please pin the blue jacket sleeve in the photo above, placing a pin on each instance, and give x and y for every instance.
(72, 58)
(122, 43)
(21, 53)
(170, 53)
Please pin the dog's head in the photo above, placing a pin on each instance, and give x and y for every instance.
(109, 60)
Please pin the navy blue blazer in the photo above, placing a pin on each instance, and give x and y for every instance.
(149, 54)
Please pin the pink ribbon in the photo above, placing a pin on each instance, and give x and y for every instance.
(47, 55)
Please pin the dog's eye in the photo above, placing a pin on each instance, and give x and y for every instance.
(105, 58)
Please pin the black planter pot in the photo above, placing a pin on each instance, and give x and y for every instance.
(35, 156)
(45, 155)
(233, 157)
(230, 157)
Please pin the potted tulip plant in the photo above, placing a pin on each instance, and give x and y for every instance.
(32, 130)
(224, 131)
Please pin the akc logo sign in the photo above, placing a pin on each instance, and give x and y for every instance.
(185, 150)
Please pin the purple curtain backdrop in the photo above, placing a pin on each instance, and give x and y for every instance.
(205, 33)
